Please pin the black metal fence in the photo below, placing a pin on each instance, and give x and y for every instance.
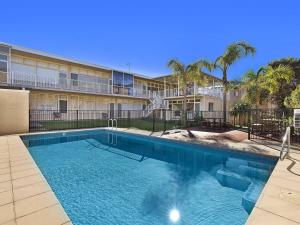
(157, 120)
(44, 120)
(260, 124)
(272, 124)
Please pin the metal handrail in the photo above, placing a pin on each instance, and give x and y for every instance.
(108, 122)
(112, 123)
(286, 140)
(116, 123)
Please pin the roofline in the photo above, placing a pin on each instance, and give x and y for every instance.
(54, 56)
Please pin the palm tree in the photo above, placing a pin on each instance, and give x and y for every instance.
(233, 53)
(255, 93)
(186, 75)
(274, 79)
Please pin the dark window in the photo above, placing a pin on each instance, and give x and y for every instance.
(118, 82)
(74, 76)
(118, 79)
(128, 84)
(210, 106)
(177, 113)
(122, 83)
(3, 63)
(74, 79)
(119, 110)
(3, 57)
(3, 66)
(111, 110)
(63, 106)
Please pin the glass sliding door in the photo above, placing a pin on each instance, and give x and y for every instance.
(118, 83)
(119, 110)
(74, 79)
(122, 83)
(128, 84)
(111, 110)
(63, 80)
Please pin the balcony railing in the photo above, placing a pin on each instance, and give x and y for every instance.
(28, 80)
(207, 91)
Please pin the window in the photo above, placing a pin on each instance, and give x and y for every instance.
(74, 76)
(63, 106)
(128, 84)
(236, 93)
(3, 63)
(62, 75)
(119, 110)
(74, 79)
(122, 83)
(63, 79)
(111, 110)
(210, 106)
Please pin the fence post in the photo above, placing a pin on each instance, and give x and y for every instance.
(249, 123)
(77, 115)
(153, 120)
(128, 118)
(165, 120)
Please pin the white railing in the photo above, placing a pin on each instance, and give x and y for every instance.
(22, 79)
(104, 87)
(207, 91)
(286, 143)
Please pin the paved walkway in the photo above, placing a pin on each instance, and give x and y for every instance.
(25, 196)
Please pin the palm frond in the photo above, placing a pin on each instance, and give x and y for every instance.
(176, 66)
(204, 63)
(273, 77)
(246, 48)
(236, 51)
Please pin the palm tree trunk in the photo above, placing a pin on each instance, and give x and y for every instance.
(224, 106)
(224, 96)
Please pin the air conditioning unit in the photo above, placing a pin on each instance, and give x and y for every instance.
(297, 118)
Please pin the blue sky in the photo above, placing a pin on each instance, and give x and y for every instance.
(148, 33)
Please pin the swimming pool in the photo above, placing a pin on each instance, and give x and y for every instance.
(106, 177)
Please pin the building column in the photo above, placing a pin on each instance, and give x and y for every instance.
(165, 88)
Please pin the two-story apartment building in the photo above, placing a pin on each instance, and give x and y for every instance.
(59, 83)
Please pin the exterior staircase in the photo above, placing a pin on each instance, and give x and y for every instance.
(156, 102)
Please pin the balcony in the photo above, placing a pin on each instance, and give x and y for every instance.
(213, 91)
(26, 80)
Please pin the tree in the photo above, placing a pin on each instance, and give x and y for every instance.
(185, 75)
(286, 88)
(240, 110)
(274, 79)
(293, 101)
(232, 54)
(255, 93)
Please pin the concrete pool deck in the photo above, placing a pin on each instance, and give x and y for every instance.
(27, 199)
(25, 196)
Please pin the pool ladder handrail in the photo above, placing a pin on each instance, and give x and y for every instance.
(286, 140)
(112, 123)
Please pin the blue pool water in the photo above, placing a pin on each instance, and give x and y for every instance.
(113, 178)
